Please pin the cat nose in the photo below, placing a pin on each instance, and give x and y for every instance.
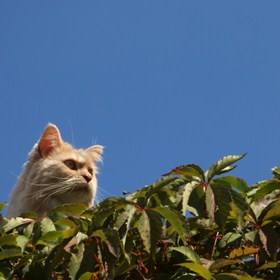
(87, 176)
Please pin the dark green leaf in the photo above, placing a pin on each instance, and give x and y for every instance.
(10, 253)
(176, 219)
(199, 269)
(150, 229)
(222, 200)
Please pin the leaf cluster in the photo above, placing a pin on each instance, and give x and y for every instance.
(189, 224)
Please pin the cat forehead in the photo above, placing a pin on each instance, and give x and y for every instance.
(78, 155)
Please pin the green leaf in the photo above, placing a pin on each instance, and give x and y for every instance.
(150, 229)
(191, 171)
(176, 219)
(75, 260)
(273, 212)
(199, 269)
(2, 205)
(21, 242)
(268, 265)
(263, 188)
(189, 253)
(276, 172)
(222, 263)
(186, 197)
(70, 209)
(233, 182)
(222, 200)
(47, 225)
(222, 166)
(10, 253)
(87, 276)
(15, 222)
(210, 204)
(9, 240)
(154, 188)
(110, 237)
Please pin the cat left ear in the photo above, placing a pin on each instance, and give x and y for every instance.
(95, 152)
(49, 140)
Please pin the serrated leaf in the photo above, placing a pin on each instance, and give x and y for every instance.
(186, 196)
(150, 229)
(222, 166)
(233, 182)
(199, 269)
(70, 209)
(189, 253)
(189, 171)
(176, 219)
(154, 188)
(16, 222)
(263, 188)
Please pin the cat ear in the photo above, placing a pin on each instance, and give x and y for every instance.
(95, 152)
(49, 140)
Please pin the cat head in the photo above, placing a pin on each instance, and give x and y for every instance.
(57, 171)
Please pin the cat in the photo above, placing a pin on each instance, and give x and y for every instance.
(55, 173)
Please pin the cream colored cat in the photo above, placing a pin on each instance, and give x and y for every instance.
(54, 174)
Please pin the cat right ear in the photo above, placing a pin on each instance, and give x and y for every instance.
(49, 140)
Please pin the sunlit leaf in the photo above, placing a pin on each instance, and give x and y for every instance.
(186, 196)
(272, 211)
(222, 166)
(75, 260)
(263, 188)
(243, 252)
(16, 222)
(233, 182)
(191, 171)
(268, 265)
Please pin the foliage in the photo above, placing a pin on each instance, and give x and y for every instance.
(189, 224)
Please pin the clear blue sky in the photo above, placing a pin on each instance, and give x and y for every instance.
(159, 83)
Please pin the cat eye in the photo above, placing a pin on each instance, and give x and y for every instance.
(71, 164)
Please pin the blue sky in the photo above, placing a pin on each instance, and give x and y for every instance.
(158, 83)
